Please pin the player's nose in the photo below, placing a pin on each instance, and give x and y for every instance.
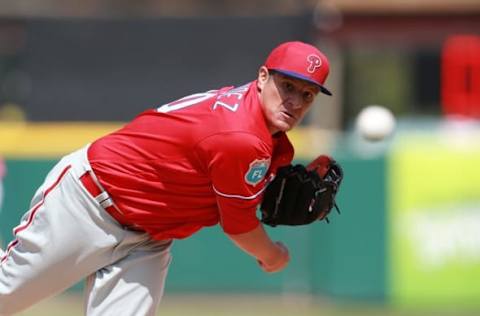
(295, 102)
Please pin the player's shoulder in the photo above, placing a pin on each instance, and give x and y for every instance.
(237, 143)
(239, 138)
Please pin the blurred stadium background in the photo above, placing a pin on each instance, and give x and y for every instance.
(408, 241)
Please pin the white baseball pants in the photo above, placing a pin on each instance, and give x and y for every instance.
(67, 236)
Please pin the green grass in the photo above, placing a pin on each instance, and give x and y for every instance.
(245, 305)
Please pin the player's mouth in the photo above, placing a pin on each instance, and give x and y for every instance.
(288, 116)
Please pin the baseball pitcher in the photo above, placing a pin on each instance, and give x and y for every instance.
(110, 211)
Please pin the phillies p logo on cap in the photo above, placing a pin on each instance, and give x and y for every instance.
(302, 61)
(315, 62)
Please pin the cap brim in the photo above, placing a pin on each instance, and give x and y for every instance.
(302, 77)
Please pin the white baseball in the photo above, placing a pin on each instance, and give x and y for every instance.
(375, 122)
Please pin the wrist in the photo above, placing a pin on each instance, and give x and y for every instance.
(272, 256)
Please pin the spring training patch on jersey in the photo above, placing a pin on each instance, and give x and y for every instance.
(257, 171)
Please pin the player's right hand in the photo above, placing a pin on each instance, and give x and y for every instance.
(278, 261)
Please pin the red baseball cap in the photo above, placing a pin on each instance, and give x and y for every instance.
(301, 61)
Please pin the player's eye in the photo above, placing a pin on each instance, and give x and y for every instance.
(288, 86)
(308, 96)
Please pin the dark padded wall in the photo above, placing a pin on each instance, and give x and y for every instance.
(110, 70)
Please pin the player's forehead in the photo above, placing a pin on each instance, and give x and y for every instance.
(298, 82)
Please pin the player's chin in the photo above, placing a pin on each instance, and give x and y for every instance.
(282, 122)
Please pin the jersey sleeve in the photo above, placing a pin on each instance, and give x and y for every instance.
(237, 164)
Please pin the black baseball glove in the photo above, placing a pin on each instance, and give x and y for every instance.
(299, 195)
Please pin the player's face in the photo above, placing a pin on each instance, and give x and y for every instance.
(285, 100)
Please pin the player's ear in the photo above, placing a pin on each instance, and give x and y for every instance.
(262, 78)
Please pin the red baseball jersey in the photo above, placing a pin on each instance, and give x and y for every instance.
(195, 162)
